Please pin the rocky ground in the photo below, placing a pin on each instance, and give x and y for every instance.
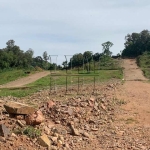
(89, 121)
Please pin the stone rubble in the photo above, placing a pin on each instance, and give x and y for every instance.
(81, 122)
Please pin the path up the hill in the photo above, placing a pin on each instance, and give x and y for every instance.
(131, 71)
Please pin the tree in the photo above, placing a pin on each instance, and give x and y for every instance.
(45, 56)
(64, 64)
(76, 60)
(97, 56)
(10, 43)
(30, 52)
(106, 47)
(28, 58)
(87, 56)
(38, 61)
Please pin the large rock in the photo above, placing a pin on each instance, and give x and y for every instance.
(4, 131)
(18, 108)
(44, 141)
(35, 118)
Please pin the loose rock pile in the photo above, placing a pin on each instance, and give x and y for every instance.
(78, 122)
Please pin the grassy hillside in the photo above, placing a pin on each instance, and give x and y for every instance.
(11, 75)
(143, 62)
(105, 71)
(14, 74)
(60, 80)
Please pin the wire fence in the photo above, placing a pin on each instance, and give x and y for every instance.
(75, 79)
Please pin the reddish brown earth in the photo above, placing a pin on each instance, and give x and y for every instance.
(135, 93)
(132, 71)
(115, 117)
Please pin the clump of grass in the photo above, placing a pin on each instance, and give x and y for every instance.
(121, 102)
(131, 120)
(32, 132)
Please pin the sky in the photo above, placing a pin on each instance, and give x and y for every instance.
(67, 27)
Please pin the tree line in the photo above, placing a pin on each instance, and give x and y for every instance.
(13, 57)
(77, 60)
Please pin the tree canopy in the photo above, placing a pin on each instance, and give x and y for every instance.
(106, 47)
(13, 57)
(136, 43)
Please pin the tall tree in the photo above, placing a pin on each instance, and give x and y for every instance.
(45, 56)
(106, 48)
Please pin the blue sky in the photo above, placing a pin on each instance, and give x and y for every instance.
(66, 27)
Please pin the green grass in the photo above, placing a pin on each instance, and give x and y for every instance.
(143, 62)
(18, 92)
(32, 132)
(60, 78)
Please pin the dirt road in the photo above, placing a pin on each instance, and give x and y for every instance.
(132, 71)
(136, 92)
(26, 80)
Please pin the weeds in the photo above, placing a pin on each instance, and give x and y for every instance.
(121, 102)
(32, 132)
